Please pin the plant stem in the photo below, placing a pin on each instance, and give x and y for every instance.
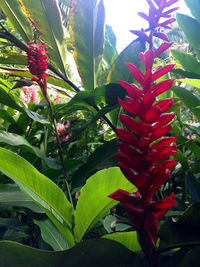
(59, 149)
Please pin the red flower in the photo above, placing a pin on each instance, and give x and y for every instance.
(37, 60)
(156, 12)
(144, 217)
(37, 64)
(144, 152)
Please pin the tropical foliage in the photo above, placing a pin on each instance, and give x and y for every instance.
(84, 128)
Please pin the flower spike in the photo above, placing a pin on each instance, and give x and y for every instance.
(144, 153)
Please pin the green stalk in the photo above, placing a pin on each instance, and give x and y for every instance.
(59, 149)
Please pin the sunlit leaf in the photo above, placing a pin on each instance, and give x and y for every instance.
(17, 18)
(187, 23)
(189, 62)
(95, 196)
(128, 239)
(86, 27)
(41, 189)
(119, 70)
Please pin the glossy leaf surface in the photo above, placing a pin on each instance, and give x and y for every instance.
(86, 27)
(41, 189)
(95, 195)
(17, 18)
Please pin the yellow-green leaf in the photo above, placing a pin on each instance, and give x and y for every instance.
(17, 18)
(86, 27)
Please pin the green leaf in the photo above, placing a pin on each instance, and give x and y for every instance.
(100, 113)
(46, 17)
(51, 235)
(110, 51)
(188, 62)
(189, 99)
(94, 203)
(18, 141)
(90, 97)
(41, 189)
(4, 114)
(17, 18)
(193, 82)
(119, 71)
(8, 100)
(187, 74)
(12, 196)
(13, 58)
(194, 7)
(96, 253)
(103, 157)
(86, 27)
(193, 188)
(187, 23)
(183, 232)
(127, 239)
(20, 72)
(183, 141)
(36, 117)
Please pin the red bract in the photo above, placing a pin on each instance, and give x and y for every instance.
(37, 60)
(37, 64)
(144, 152)
(156, 12)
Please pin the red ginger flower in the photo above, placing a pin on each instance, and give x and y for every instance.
(144, 152)
(156, 12)
(37, 64)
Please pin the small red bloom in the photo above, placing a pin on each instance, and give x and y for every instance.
(37, 64)
(37, 60)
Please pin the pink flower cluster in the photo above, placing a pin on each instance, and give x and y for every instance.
(64, 134)
(29, 94)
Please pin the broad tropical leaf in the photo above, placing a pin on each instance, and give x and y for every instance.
(188, 62)
(17, 18)
(119, 70)
(18, 141)
(187, 23)
(13, 58)
(51, 235)
(95, 196)
(86, 27)
(171, 233)
(46, 17)
(20, 72)
(41, 189)
(189, 99)
(194, 8)
(96, 253)
(12, 196)
(128, 239)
